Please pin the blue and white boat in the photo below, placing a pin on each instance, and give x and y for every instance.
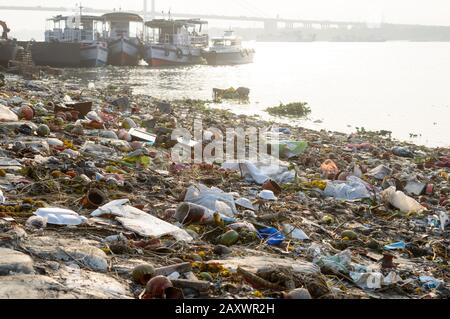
(72, 41)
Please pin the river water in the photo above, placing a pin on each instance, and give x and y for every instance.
(402, 87)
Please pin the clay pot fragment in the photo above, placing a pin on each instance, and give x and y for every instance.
(93, 199)
(158, 288)
(273, 186)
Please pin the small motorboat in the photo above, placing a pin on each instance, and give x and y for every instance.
(176, 42)
(228, 50)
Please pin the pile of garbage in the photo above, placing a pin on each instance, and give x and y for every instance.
(92, 205)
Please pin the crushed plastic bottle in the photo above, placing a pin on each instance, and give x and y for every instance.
(402, 152)
(401, 201)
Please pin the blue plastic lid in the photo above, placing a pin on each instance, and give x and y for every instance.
(275, 236)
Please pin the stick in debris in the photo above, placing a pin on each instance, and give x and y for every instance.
(180, 268)
(199, 285)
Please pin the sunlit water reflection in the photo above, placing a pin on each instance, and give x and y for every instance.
(397, 86)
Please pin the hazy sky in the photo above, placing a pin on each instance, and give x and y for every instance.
(396, 11)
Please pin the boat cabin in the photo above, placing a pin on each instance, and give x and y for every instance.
(191, 32)
(74, 29)
(227, 40)
(124, 25)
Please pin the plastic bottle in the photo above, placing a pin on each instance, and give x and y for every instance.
(401, 201)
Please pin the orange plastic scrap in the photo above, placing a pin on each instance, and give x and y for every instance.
(329, 168)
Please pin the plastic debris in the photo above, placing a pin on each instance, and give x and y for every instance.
(374, 280)
(401, 201)
(395, 246)
(352, 189)
(294, 232)
(262, 172)
(267, 195)
(187, 213)
(380, 172)
(444, 220)
(61, 216)
(244, 202)
(414, 187)
(140, 222)
(339, 263)
(272, 236)
(6, 115)
(290, 149)
(212, 198)
(402, 152)
(430, 282)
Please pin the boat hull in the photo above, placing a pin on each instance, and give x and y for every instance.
(94, 54)
(8, 51)
(229, 58)
(56, 54)
(123, 52)
(159, 55)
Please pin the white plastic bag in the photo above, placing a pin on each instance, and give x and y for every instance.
(352, 189)
(294, 232)
(212, 198)
(60, 216)
(140, 222)
(261, 172)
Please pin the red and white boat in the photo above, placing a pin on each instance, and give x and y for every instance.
(125, 32)
(175, 42)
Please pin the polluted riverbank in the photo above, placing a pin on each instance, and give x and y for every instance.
(94, 204)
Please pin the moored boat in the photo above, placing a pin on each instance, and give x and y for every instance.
(56, 54)
(94, 54)
(176, 42)
(228, 50)
(123, 46)
(72, 41)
